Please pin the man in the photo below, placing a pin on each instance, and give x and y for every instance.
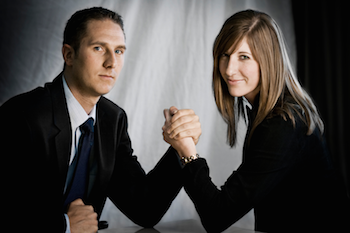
(66, 147)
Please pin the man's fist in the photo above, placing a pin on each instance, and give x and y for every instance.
(82, 218)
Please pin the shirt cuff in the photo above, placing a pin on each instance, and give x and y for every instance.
(67, 224)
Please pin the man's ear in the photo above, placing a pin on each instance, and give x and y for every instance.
(68, 54)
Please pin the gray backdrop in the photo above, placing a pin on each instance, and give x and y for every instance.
(168, 62)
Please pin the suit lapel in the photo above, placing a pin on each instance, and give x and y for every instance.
(63, 139)
(105, 152)
(104, 139)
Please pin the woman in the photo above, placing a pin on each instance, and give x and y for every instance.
(286, 174)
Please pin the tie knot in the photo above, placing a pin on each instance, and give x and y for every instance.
(88, 126)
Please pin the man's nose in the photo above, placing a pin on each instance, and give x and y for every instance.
(111, 60)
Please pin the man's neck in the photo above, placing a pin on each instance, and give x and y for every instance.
(85, 100)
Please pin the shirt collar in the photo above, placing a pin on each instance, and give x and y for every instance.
(76, 112)
(246, 106)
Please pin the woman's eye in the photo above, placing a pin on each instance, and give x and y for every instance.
(224, 56)
(244, 57)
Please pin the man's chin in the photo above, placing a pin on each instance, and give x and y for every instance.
(104, 90)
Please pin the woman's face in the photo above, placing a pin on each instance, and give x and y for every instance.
(241, 72)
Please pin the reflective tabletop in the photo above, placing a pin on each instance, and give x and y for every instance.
(183, 226)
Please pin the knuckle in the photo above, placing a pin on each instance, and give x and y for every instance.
(187, 133)
(92, 217)
(90, 208)
(189, 111)
(181, 120)
(185, 126)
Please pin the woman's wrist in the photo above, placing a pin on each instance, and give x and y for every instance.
(186, 153)
(185, 147)
(186, 160)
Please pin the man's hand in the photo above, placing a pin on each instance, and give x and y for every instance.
(183, 123)
(82, 217)
(184, 146)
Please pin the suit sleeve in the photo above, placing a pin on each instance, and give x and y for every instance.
(144, 198)
(26, 203)
(267, 160)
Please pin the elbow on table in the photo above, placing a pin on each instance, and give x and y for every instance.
(213, 227)
(146, 221)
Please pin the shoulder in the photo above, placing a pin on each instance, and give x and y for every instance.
(286, 130)
(112, 118)
(112, 107)
(285, 123)
(280, 130)
(35, 100)
(110, 111)
(27, 102)
(27, 112)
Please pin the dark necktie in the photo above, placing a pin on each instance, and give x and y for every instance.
(80, 180)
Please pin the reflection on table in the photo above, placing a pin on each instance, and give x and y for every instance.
(183, 226)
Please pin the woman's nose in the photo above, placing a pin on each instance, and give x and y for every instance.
(232, 67)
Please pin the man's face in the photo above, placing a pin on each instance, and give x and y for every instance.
(100, 58)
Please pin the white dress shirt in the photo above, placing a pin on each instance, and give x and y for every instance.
(77, 116)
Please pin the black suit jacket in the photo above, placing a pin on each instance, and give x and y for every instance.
(36, 145)
(286, 176)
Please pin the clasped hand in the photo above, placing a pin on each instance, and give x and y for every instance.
(182, 130)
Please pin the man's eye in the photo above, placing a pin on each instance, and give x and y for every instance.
(97, 48)
(118, 51)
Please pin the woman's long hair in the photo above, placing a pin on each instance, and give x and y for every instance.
(277, 78)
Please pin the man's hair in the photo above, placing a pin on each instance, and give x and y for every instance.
(76, 26)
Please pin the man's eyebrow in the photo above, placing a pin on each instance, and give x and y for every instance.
(104, 44)
(121, 47)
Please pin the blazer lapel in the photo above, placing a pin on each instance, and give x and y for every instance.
(104, 152)
(63, 139)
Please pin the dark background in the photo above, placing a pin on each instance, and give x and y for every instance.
(323, 67)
